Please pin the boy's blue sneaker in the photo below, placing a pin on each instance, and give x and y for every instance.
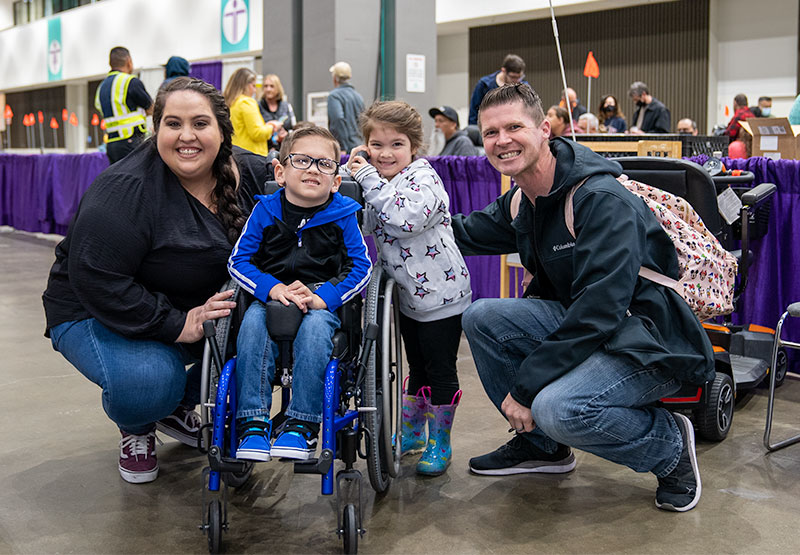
(297, 440)
(254, 438)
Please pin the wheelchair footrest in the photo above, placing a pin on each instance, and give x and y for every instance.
(315, 466)
(218, 463)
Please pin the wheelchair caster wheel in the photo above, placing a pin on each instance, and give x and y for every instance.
(350, 530)
(214, 529)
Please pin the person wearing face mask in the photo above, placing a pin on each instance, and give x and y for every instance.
(687, 126)
(651, 116)
(612, 118)
(764, 108)
(740, 113)
(457, 143)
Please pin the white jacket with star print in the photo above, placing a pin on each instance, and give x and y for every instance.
(409, 218)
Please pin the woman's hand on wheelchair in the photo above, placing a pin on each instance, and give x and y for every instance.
(217, 306)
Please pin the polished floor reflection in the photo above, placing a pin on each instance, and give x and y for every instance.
(62, 493)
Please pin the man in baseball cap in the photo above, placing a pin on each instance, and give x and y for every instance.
(457, 142)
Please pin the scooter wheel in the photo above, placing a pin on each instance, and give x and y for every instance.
(715, 418)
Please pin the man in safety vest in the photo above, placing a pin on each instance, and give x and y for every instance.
(125, 105)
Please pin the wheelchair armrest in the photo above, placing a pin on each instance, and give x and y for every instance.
(794, 310)
(758, 194)
(284, 321)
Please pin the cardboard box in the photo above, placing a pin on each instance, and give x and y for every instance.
(773, 137)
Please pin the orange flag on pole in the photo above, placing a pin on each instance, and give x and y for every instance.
(591, 69)
(8, 113)
(53, 123)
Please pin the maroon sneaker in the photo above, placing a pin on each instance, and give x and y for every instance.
(137, 457)
(183, 425)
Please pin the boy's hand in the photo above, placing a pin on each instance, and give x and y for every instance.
(355, 163)
(288, 294)
(317, 303)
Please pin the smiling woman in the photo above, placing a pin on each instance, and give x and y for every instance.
(140, 267)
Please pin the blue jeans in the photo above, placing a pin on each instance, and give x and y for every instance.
(255, 364)
(603, 406)
(143, 381)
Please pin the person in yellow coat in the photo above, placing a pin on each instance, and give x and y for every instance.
(249, 129)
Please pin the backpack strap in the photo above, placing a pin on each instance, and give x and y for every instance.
(646, 273)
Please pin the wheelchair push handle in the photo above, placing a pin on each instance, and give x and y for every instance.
(210, 333)
(734, 177)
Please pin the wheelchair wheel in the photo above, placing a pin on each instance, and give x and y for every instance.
(382, 384)
(715, 418)
(350, 529)
(238, 479)
(209, 371)
(214, 530)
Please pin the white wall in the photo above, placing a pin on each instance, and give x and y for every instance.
(757, 47)
(6, 13)
(157, 29)
(453, 78)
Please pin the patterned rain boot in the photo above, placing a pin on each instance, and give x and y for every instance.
(412, 433)
(437, 455)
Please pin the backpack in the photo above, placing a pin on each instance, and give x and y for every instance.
(707, 271)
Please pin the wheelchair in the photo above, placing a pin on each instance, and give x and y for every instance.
(361, 410)
(742, 353)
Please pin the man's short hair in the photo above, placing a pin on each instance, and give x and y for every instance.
(638, 88)
(740, 99)
(513, 64)
(509, 94)
(118, 56)
(765, 99)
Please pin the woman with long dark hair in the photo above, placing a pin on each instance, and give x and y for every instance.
(139, 270)
(612, 120)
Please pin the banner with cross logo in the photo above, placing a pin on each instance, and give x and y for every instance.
(55, 55)
(235, 26)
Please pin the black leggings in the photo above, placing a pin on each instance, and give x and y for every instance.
(432, 351)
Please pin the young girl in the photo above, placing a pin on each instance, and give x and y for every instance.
(407, 211)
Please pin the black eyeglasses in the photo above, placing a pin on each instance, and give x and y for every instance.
(303, 162)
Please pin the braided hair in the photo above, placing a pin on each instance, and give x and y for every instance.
(224, 195)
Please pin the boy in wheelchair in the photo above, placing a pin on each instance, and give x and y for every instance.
(301, 245)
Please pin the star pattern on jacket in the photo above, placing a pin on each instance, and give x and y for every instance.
(464, 271)
(421, 292)
(449, 274)
(407, 226)
(447, 301)
(388, 239)
(422, 277)
(432, 251)
(383, 216)
(405, 253)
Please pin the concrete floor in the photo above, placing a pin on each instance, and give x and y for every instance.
(62, 492)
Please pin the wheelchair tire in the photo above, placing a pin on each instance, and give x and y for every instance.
(350, 529)
(238, 479)
(377, 470)
(714, 420)
(214, 530)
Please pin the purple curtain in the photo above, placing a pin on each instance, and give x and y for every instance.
(210, 72)
(40, 193)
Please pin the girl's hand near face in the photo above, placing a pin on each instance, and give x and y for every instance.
(356, 162)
